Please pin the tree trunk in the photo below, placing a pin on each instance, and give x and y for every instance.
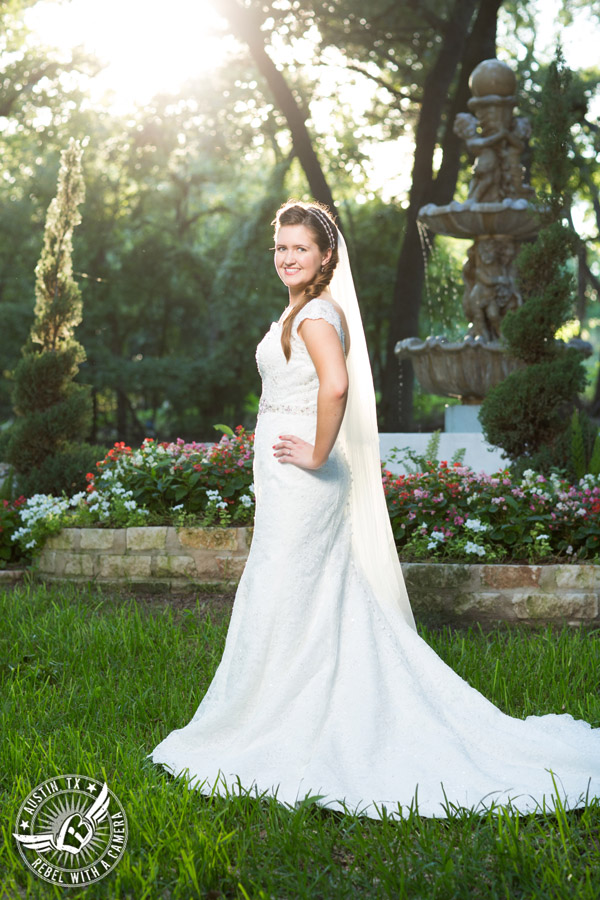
(471, 45)
(245, 26)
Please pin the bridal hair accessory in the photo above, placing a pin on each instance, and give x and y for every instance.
(373, 546)
(327, 225)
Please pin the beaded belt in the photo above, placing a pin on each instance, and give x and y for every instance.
(306, 410)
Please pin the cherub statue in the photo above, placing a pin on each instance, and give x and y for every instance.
(487, 171)
(512, 169)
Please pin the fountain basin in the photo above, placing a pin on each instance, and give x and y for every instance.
(514, 218)
(466, 369)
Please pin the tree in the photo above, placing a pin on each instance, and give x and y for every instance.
(246, 25)
(528, 413)
(427, 46)
(53, 413)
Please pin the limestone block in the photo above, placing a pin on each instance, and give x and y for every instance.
(231, 567)
(97, 538)
(547, 580)
(47, 561)
(67, 539)
(507, 576)
(205, 564)
(435, 577)
(574, 576)
(125, 567)
(150, 537)
(556, 606)
(172, 542)
(208, 538)
(11, 576)
(80, 564)
(485, 605)
(174, 566)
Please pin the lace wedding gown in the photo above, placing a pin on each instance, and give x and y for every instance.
(318, 693)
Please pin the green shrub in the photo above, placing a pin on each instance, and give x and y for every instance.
(528, 413)
(53, 414)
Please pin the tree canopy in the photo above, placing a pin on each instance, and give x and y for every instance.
(173, 253)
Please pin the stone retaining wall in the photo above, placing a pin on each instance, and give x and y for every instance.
(479, 593)
(183, 559)
(159, 557)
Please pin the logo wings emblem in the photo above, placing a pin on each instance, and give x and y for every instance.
(75, 832)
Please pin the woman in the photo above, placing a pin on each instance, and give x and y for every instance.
(324, 687)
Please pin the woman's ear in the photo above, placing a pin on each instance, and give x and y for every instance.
(326, 258)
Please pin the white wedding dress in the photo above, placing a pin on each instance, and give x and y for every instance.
(318, 693)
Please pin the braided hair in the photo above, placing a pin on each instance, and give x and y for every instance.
(319, 221)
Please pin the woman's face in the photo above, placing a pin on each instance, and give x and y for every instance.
(298, 258)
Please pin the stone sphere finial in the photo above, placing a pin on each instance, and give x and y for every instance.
(492, 77)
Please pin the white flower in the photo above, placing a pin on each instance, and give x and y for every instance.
(569, 550)
(251, 488)
(222, 505)
(177, 507)
(213, 496)
(475, 525)
(470, 547)
(438, 536)
(542, 537)
(130, 504)
(246, 501)
(432, 545)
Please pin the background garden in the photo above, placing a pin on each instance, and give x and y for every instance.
(133, 301)
(135, 283)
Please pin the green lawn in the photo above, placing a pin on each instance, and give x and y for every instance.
(92, 682)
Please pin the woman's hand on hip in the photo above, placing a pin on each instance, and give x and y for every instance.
(292, 449)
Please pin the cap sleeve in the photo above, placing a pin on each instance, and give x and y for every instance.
(320, 309)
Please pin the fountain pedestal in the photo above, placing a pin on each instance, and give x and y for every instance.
(498, 216)
(462, 419)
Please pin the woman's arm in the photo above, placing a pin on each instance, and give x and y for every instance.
(325, 350)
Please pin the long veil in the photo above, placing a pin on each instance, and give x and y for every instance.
(373, 543)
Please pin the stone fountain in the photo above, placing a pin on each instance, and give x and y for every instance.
(498, 216)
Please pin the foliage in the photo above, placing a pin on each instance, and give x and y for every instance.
(175, 483)
(450, 513)
(584, 446)
(426, 459)
(441, 512)
(53, 413)
(527, 414)
(9, 523)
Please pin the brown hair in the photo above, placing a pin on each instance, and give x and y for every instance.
(320, 223)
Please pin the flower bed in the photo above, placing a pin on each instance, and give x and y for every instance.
(444, 514)
(450, 513)
(178, 483)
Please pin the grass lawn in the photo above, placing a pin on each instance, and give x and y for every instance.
(92, 682)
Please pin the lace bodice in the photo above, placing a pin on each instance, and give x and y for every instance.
(292, 387)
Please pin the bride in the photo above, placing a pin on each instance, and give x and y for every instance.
(325, 687)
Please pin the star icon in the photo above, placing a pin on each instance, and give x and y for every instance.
(24, 824)
(92, 788)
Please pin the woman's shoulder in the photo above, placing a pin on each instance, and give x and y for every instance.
(322, 307)
(325, 307)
